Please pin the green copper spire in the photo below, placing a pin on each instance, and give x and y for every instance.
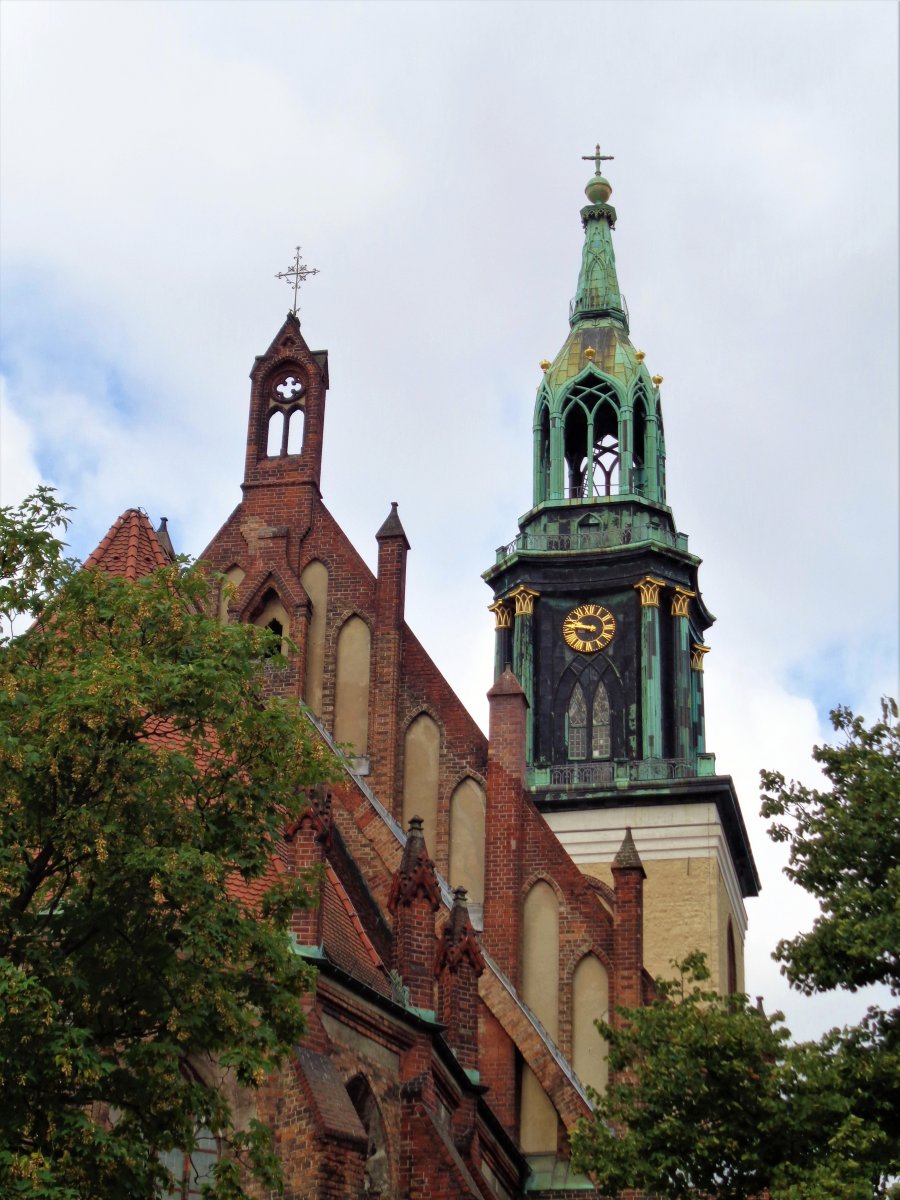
(598, 435)
(598, 293)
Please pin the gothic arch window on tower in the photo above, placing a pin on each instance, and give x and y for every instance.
(588, 732)
(286, 414)
(590, 716)
(542, 447)
(641, 455)
(591, 440)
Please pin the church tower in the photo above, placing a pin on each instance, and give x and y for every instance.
(598, 611)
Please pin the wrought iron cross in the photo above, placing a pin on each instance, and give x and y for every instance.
(299, 272)
(597, 158)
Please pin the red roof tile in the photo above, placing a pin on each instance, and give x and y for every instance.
(131, 548)
(345, 940)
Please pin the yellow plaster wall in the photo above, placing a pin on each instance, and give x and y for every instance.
(351, 705)
(540, 956)
(540, 991)
(467, 806)
(590, 1000)
(538, 1120)
(421, 776)
(315, 582)
(686, 907)
(231, 581)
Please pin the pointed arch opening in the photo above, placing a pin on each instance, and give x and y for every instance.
(272, 615)
(286, 412)
(314, 579)
(542, 454)
(467, 809)
(588, 733)
(590, 1001)
(591, 730)
(540, 955)
(540, 991)
(295, 422)
(228, 585)
(421, 775)
(276, 433)
(642, 463)
(378, 1172)
(351, 702)
(591, 440)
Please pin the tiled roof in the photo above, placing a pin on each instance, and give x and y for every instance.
(131, 548)
(345, 940)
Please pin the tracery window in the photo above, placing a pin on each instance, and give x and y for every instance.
(591, 440)
(588, 726)
(600, 741)
(577, 722)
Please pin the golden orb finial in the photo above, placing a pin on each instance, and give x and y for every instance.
(590, 353)
(657, 380)
(544, 364)
(640, 355)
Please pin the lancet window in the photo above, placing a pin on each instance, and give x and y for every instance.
(542, 459)
(287, 398)
(591, 440)
(588, 721)
(641, 459)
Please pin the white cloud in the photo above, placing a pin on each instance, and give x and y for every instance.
(19, 472)
(161, 161)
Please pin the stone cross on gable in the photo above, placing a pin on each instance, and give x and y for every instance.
(597, 158)
(296, 274)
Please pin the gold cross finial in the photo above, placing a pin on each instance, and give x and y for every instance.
(597, 158)
(297, 272)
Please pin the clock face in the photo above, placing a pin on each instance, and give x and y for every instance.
(588, 628)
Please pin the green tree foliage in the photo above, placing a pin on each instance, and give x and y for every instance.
(845, 850)
(144, 781)
(693, 1103)
(708, 1095)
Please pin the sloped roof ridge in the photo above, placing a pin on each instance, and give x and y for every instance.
(447, 897)
(347, 905)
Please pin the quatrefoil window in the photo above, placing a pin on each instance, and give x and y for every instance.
(290, 389)
(287, 402)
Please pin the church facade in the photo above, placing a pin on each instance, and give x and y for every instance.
(484, 899)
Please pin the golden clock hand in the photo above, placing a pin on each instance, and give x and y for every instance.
(583, 625)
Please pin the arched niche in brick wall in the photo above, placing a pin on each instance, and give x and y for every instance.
(538, 1122)
(540, 955)
(315, 583)
(351, 701)
(590, 1001)
(467, 805)
(230, 582)
(421, 775)
(540, 991)
(378, 1173)
(272, 615)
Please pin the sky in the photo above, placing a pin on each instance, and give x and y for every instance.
(159, 162)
